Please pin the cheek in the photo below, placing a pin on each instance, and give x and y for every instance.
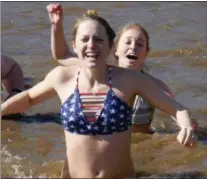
(80, 47)
(121, 50)
(123, 47)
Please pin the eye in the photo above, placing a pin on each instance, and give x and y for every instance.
(84, 39)
(98, 39)
(139, 44)
(128, 42)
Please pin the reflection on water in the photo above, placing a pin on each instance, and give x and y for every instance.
(38, 149)
(178, 56)
(160, 154)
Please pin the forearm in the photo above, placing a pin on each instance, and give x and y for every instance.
(16, 104)
(182, 116)
(59, 46)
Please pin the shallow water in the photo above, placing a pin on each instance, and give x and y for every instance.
(178, 56)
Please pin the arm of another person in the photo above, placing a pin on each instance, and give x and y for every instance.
(162, 101)
(11, 76)
(6, 65)
(24, 100)
(59, 45)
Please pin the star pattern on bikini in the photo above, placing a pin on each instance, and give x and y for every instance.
(115, 115)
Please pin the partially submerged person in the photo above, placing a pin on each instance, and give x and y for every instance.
(131, 50)
(12, 78)
(96, 106)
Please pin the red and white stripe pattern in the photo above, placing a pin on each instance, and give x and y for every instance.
(92, 105)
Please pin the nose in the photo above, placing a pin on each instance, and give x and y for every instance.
(133, 45)
(91, 43)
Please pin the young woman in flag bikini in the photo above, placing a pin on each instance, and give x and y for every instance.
(98, 148)
(142, 111)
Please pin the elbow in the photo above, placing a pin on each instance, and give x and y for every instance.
(55, 56)
(58, 57)
(30, 101)
(61, 55)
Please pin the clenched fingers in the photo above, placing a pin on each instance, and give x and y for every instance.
(186, 137)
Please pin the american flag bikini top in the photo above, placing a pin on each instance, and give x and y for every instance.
(82, 113)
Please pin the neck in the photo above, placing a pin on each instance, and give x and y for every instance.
(123, 66)
(97, 75)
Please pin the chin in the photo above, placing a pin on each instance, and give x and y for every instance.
(130, 66)
(91, 65)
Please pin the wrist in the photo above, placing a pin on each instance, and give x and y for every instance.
(183, 119)
(57, 26)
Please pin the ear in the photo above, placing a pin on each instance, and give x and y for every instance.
(74, 46)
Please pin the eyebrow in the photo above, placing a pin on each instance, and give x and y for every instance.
(136, 39)
(83, 34)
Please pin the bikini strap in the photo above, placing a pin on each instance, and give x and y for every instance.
(77, 77)
(110, 76)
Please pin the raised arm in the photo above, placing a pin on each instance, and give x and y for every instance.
(59, 45)
(24, 100)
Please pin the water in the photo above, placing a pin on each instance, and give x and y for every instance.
(178, 56)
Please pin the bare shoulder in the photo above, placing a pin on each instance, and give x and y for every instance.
(127, 75)
(120, 71)
(72, 61)
(61, 74)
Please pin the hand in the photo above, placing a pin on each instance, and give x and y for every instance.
(194, 124)
(55, 12)
(187, 137)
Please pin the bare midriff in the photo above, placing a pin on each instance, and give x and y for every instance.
(100, 156)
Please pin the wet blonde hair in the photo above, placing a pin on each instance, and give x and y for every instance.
(93, 15)
(131, 26)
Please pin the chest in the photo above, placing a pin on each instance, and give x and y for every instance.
(114, 116)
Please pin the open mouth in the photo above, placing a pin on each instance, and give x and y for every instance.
(132, 57)
(92, 55)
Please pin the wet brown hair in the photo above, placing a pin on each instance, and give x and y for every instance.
(131, 26)
(93, 15)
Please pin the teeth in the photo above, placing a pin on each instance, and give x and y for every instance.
(91, 55)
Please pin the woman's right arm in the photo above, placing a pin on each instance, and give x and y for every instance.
(24, 100)
(59, 45)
